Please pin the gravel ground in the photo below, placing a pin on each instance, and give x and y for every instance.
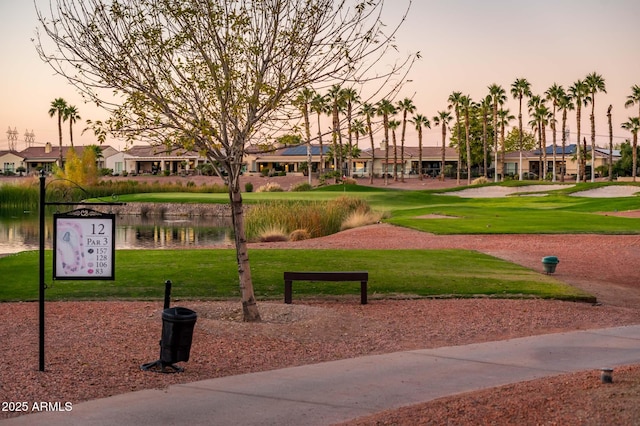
(95, 349)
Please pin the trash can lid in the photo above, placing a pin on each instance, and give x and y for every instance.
(550, 259)
(178, 313)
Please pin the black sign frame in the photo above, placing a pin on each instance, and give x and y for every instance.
(85, 237)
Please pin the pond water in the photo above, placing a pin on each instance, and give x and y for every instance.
(19, 231)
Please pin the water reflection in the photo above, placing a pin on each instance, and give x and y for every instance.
(19, 231)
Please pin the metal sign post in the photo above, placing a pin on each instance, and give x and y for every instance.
(83, 248)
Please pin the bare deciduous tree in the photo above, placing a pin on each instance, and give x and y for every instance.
(210, 74)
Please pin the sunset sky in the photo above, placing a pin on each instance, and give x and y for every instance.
(466, 45)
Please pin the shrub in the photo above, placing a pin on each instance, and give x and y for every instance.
(304, 186)
(335, 175)
(248, 187)
(360, 218)
(299, 235)
(272, 234)
(479, 181)
(349, 181)
(270, 187)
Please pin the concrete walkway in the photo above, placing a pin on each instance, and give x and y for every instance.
(331, 392)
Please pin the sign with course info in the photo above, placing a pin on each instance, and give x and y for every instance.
(83, 245)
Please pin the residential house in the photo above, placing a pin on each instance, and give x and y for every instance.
(294, 159)
(147, 159)
(531, 161)
(38, 158)
(11, 161)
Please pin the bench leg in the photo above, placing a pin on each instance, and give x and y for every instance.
(288, 291)
(363, 292)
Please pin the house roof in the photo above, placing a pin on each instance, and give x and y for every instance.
(302, 150)
(10, 151)
(39, 153)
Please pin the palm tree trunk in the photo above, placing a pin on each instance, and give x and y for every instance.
(444, 138)
(468, 143)
(520, 137)
(321, 169)
(610, 144)
(578, 150)
(60, 137)
(635, 155)
(373, 149)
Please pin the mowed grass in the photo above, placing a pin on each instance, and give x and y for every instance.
(555, 212)
(212, 274)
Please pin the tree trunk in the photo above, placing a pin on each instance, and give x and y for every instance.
(468, 143)
(593, 138)
(60, 137)
(635, 155)
(610, 144)
(249, 306)
(443, 160)
(373, 149)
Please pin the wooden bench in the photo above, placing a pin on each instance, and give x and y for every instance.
(290, 277)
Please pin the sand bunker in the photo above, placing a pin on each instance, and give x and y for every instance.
(503, 191)
(610, 191)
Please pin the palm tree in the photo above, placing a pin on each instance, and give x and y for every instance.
(442, 119)
(519, 89)
(320, 106)
(349, 97)
(58, 107)
(369, 111)
(454, 103)
(504, 118)
(406, 106)
(337, 105)
(71, 114)
(498, 96)
(386, 109)
(535, 102)
(420, 121)
(358, 128)
(302, 101)
(543, 116)
(467, 104)
(393, 125)
(595, 84)
(485, 108)
(633, 125)
(633, 98)
(565, 103)
(554, 94)
(579, 93)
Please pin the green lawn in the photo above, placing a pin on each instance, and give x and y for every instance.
(212, 274)
(556, 213)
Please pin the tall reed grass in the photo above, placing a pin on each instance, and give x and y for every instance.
(317, 218)
(27, 194)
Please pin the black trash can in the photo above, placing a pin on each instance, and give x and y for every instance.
(177, 334)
